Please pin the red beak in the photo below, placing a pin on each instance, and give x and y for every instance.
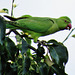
(69, 26)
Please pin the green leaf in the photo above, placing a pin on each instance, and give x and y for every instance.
(28, 40)
(73, 35)
(2, 30)
(5, 56)
(59, 53)
(48, 61)
(4, 10)
(26, 65)
(11, 48)
(19, 42)
(54, 42)
(55, 69)
(40, 51)
(18, 39)
(24, 46)
(14, 66)
(43, 69)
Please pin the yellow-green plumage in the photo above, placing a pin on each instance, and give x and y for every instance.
(38, 26)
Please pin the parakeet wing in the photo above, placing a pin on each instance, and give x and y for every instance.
(36, 24)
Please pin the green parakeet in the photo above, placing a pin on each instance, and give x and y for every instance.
(38, 26)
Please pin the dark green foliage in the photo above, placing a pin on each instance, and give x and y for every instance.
(26, 65)
(11, 48)
(58, 53)
(40, 51)
(8, 52)
(24, 46)
(2, 30)
(22, 62)
(43, 69)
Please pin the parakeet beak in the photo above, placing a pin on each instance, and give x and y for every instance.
(69, 26)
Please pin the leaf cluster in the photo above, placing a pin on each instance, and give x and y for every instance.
(49, 58)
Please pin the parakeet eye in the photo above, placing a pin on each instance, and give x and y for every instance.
(65, 21)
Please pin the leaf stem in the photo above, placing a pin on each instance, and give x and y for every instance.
(68, 35)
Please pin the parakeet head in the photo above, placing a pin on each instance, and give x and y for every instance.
(65, 23)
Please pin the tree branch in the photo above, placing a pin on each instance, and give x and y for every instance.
(9, 32)
(34, 49)
(17, 33)
(68, 35)
(12, 8)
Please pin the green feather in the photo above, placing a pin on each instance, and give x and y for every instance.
(38, 26)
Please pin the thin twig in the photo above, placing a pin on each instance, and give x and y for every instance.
(9, 32)
(34, 49)
(68, 35)
(12, 8)
(17, 33)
